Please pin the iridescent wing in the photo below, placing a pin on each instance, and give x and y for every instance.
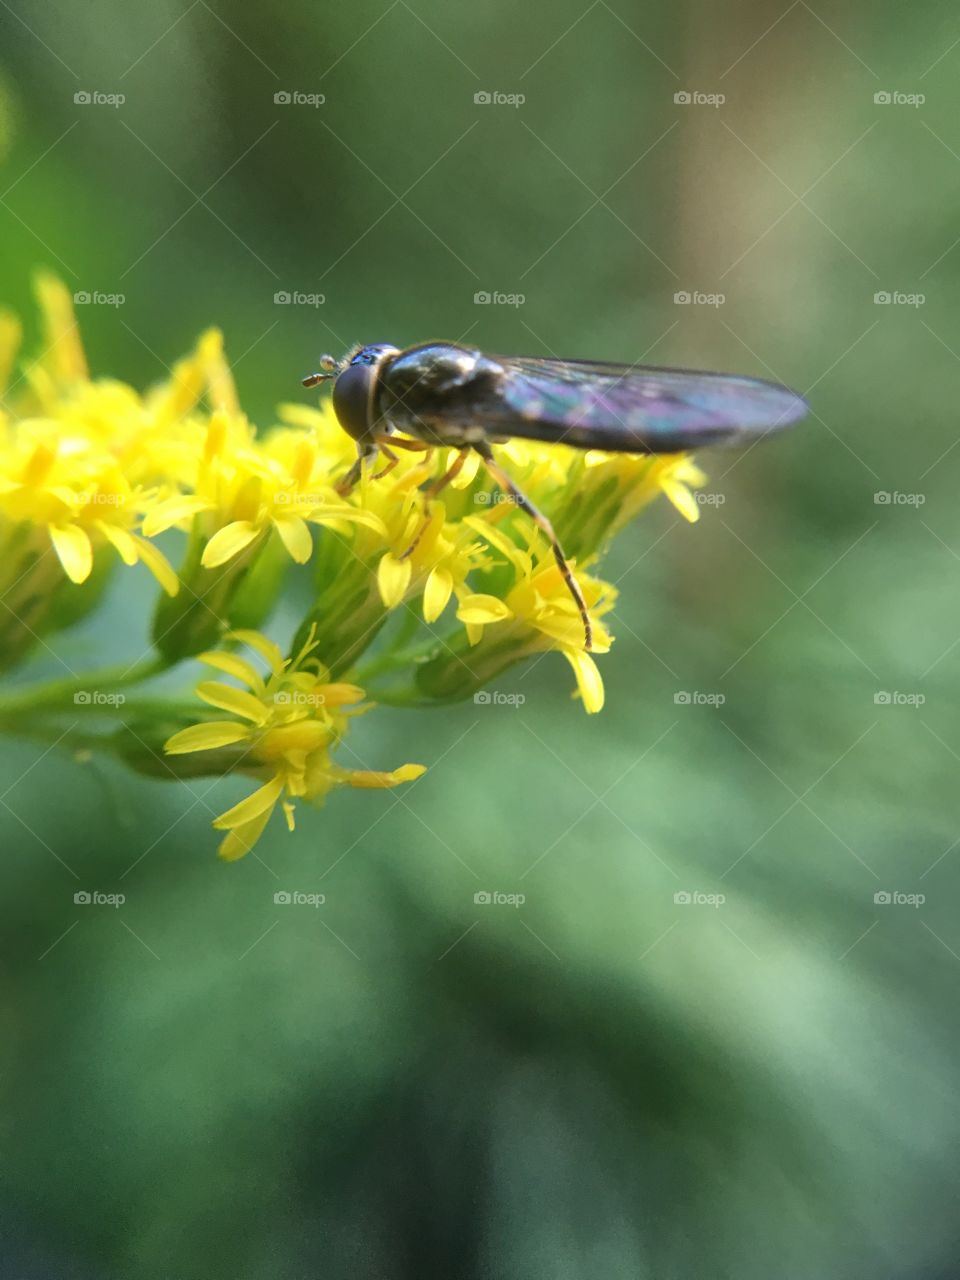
(590, 405)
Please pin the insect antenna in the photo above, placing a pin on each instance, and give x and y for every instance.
(542, 523)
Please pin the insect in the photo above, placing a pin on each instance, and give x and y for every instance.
(443, 394)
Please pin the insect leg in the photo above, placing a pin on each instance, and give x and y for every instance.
(346, 482)
(397, 442)
(542, 523)
(431, 491)
(392, 461)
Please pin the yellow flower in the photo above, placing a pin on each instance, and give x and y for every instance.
(243, 489)
(285, 726)
(79, 497)
(540, 602)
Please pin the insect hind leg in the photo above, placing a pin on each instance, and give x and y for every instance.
(542, 523)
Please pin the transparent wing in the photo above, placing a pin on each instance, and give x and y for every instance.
(636, 408)
(443, 391)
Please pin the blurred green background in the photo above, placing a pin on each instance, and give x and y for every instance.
(603, 1082)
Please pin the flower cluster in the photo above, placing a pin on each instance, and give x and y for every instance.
(421, 599)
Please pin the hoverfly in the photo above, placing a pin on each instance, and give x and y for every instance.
(442, 394)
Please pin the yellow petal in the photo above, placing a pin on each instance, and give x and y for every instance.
(64, 352)
(10, 335)
(393, 578)
(353, 515)
(73, 548)
(267, 650)
(340, 694)
(122, 541)
(589, 681)
(242, 839)
(479, 610)
(166, 514)
(158, 564)
(467, 473)
(682, 499)
(206, 737)
(437, 593)
(233, 665)
(295, 536)
(237, 701)
(371, 779)
(503, 544)
(228, 542)
(261, 801)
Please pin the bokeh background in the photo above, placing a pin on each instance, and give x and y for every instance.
(603, 1081)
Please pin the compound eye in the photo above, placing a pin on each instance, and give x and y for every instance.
(352, 397)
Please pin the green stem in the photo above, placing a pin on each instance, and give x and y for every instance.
(54, 694)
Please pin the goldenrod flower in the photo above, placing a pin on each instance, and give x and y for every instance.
(448, 586)
(286, 727)
(243, 489)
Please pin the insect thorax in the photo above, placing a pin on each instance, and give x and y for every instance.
(429, 390)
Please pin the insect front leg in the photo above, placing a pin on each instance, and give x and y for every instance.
(431, 491)
(542, 523)
(365, 453)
